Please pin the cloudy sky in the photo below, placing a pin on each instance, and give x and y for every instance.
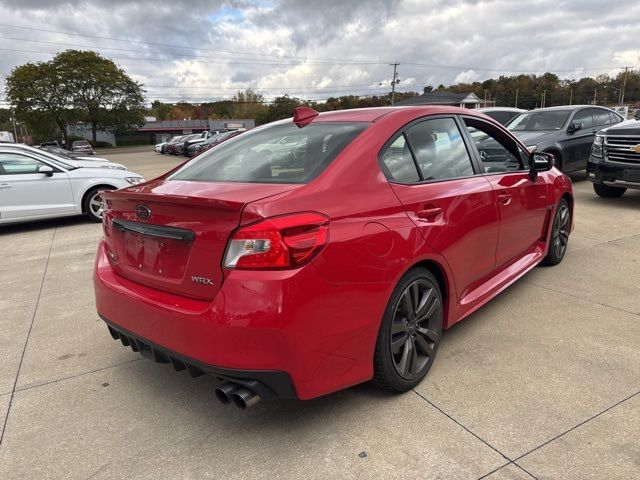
(198, 50)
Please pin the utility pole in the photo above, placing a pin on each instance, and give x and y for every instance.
(595, 93)
(571, 96)
(15, 132)
(394, 82)
(485, 98)
(543, 99)
(516, 105)
(624, 84)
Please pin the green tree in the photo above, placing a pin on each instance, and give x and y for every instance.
(40, 93)
(101, 90)
(248, 104)
(160, 110)
(281, 107)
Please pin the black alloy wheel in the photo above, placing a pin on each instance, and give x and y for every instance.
(413, 335)
(410, 332)
(559, 234)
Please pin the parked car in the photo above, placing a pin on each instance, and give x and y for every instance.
(218, 139)
(36, 184)
(72, 155)
(192, 145)
(82, 146)
(297, 282)
(502, 115)
(170, 146)
(158, 146)
(182, 145)
(614, 164)
(566, 132)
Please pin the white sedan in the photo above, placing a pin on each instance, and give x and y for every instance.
(35, 184)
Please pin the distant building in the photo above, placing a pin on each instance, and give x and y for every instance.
(83, 130)
(160, 130)
(464, 100)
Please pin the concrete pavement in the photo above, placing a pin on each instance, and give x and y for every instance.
(543, 382)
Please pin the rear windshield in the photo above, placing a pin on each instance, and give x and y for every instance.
(282, 153)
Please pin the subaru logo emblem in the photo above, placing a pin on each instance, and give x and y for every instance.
(143, 212)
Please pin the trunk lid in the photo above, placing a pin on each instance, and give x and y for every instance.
(172, 235)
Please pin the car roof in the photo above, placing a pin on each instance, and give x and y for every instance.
(567, 107)
(376, 113)
(501, 109)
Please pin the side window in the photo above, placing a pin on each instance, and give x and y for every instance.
(601, 117)
(398, 162)
(498, 153)
(439, 149)
(16, 164)
(584, 117)
(614, 118)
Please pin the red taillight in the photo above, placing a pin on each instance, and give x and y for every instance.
(289, 241)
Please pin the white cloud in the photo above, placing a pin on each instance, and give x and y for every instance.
(328, 48)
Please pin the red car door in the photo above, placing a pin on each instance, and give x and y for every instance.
(453, 205)
(522, 203)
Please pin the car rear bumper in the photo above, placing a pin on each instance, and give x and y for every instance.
(289, 323)
(267, 384)
(623, 175)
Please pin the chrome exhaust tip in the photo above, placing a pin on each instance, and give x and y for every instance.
(244, 398)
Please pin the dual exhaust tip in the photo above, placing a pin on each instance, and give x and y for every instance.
(241, 396)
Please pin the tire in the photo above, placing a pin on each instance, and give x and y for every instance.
(407, 344)
(559, 234)
(608, 192)
(90, 206)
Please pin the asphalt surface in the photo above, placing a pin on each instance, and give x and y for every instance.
(543, 382)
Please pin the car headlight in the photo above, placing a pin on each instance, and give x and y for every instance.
(532, 148)
(597, 147)
(134, 180)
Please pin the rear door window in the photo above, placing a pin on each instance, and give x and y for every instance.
(282, 153)
(601, 117)
(614, 118)
(398, 162)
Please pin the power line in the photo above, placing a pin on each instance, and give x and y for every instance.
(246, 61)
(165, 44)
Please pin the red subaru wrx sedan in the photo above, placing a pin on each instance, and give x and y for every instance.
(326, 250)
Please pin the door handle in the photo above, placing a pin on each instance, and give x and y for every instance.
(429, 213)
(5, 185)
(504, 198)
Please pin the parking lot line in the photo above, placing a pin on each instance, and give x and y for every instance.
(26, 342)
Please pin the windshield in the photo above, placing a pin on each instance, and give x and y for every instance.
(52, 158)
(60, 152)
(257, 157)
(537, 121)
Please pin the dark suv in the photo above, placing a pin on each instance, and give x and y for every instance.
(614, 164)
(566, 132)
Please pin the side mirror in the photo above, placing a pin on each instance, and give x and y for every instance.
(574, 127)
(540, 162)
(46, 169)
